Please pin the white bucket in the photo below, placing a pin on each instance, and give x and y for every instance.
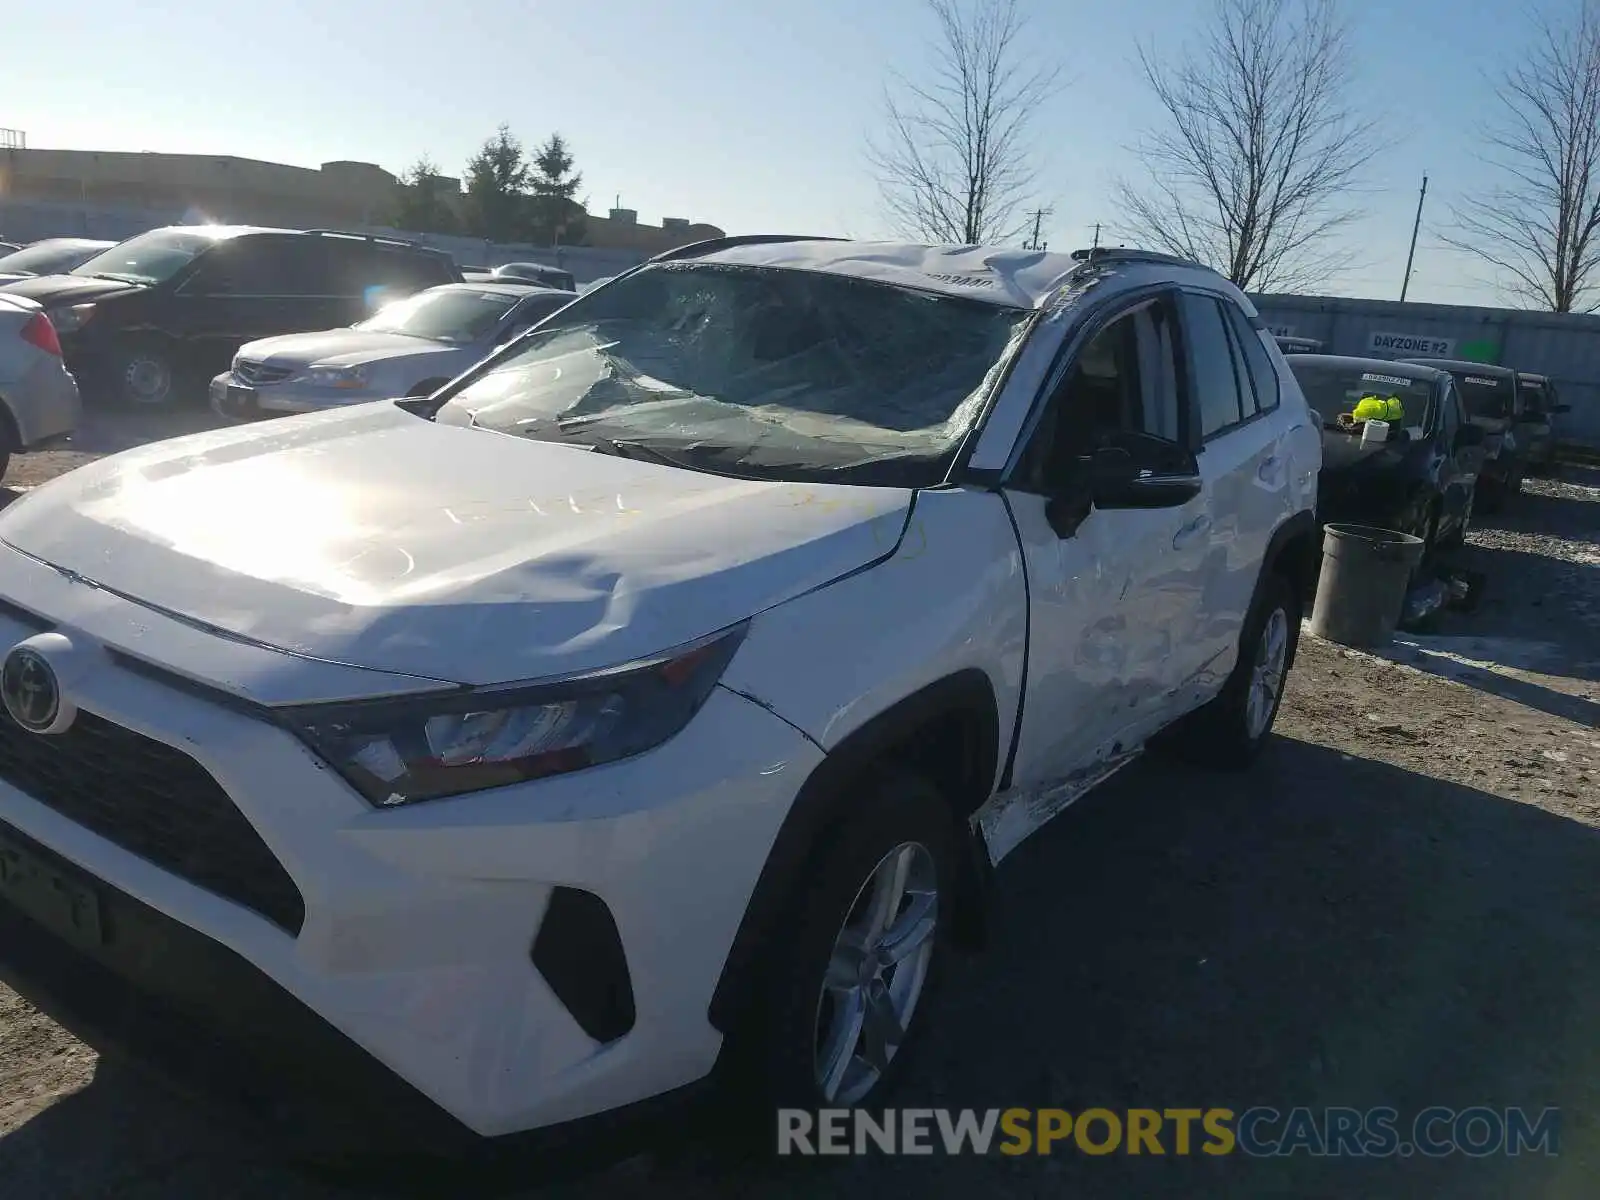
(1374, 433)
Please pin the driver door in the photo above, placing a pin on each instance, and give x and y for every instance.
(1114, 593)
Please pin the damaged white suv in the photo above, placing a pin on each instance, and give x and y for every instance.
(655, 696)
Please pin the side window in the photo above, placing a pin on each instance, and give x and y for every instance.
(1263, 374)
(350, 266)
(404, 271)
(1123, 380)
(1216, 387)
(533, 311)
(240, 267)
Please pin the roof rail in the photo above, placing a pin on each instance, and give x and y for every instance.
(711, 245)
(370, 237)
(1098, 254)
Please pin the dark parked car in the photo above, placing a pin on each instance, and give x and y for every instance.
(49, 257)
(524, 272)
(157, 315)
(1490, 396)
(1298, 345)
(1535, 430)
(1421, 479)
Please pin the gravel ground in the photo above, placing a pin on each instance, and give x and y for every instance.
(1399, 905)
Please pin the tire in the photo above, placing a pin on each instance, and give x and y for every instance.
(143, 376)
(1229, 731)
(897, 821)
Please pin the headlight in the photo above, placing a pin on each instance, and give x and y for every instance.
(338, 377)
(70, 319)
(396, 752)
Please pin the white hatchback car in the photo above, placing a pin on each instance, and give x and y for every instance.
(659, 692)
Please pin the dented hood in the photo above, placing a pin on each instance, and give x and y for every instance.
(373, 537)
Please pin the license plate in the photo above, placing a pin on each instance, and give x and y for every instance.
(241, 399)
(54, 897)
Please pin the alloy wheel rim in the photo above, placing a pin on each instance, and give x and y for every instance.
(876, 973)
(1266, 676)
(148, 380)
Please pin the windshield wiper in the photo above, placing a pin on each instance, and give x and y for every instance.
(120, 278)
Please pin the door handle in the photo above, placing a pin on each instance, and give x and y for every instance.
(1191, 532)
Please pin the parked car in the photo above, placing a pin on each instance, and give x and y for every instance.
(1489, 394)
(550, 277)
(408, 348)
(9, 247)
(49, 257)
(146, 319)
(1421, 479)
(1535, 429)
(1298, 345)
(660, 692)
(38, 398)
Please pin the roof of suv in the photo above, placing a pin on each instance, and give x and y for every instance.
(999, 275)
(1375, 366)
(1457, 366)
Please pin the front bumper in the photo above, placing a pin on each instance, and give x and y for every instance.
(418, 923)
(240, 402)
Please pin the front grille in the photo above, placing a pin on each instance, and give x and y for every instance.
(252, 372)
(154, 801)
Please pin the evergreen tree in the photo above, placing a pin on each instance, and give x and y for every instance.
(557, 218)
(497, 183)
(423, 203)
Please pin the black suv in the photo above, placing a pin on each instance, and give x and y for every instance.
(155, 316)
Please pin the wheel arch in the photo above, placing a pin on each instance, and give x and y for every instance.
(951, 726)
(1295, 552)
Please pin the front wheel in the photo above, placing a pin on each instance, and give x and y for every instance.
(850, 982)
(1230, 730)
(143, 376)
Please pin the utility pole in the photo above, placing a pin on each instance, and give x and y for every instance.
(1039, 214)
(1096, 245)
(1412, 253)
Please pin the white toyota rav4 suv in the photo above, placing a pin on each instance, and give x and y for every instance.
(655, 697)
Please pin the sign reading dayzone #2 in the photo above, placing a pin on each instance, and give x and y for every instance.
(1411, 343)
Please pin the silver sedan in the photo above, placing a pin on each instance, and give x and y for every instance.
(36, 392)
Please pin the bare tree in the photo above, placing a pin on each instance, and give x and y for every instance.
(1540, 227)
(1259, 151)
(953, 160)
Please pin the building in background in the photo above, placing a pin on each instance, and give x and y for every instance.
(108, 187)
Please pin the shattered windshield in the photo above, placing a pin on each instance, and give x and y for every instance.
(755, 371)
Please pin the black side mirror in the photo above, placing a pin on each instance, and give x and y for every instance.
(1121, 479)
(1141, 471)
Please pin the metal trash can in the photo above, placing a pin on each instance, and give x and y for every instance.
(1362, 588)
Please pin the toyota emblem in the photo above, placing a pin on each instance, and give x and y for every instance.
(29, 689)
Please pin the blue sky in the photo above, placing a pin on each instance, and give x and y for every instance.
(749, 116)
